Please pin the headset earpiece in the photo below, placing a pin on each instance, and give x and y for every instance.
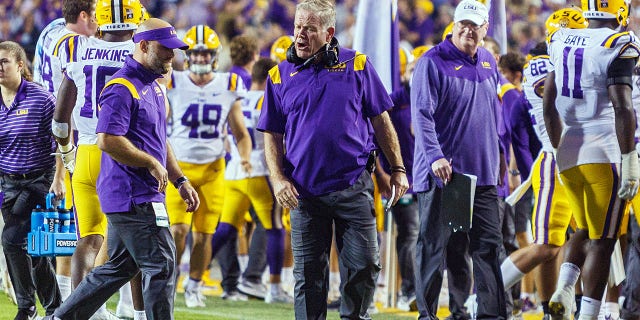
(328, 55)
(292, 56)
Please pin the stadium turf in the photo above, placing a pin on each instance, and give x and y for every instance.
(218, 309)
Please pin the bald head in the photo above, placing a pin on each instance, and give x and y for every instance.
(153, 24)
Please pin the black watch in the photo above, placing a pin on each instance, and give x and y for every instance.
(180, 181)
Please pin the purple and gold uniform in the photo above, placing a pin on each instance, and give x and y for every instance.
(551, 212)
(52, 45)
(199, 120)
(588, 154)
(243, 191)
(99, 60)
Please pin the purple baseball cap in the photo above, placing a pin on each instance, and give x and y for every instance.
(166, 36)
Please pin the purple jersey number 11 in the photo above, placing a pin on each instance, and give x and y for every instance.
(578, 55)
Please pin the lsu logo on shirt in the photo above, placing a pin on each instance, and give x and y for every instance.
(486, 65)
(22, 112)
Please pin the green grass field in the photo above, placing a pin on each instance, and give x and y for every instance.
(218, 309)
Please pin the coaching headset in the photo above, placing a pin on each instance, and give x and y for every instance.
(328, 55)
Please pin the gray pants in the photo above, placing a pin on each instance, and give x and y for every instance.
(356, 238)
(135, 243)
(257, 252)
(485, 239)
(406, 218)
(29, 275)
(631, 290)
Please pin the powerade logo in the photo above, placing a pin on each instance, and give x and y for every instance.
(66, 243)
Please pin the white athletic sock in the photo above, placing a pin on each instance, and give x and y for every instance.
(192, 285)
(125, 295)
(64, 283)
(243, 260)
(568, 275)
(287, 275)
(610, 309)
(275, 288)
(139, 315)
(334, 280)
(589, 308)
(510, 273)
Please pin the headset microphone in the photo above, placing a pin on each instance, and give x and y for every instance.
(328, 55)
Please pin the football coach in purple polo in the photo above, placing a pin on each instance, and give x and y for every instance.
(322, 109)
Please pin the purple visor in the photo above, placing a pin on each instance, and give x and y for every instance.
(166, 36)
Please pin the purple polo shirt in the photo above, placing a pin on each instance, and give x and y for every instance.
(401, 118)
(453, 114)
(137, 112)
(26, 142)
(509, 95)
(324, 116)
(524, 140)
(243, 74)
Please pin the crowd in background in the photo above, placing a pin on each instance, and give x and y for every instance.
(421, 21)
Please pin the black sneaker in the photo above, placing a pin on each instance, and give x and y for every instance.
(334, 305)
(27, 314)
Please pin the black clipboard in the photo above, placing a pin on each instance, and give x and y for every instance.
(456, 205)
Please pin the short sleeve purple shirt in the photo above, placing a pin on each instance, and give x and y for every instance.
(131, 105)
(324, 116)
(26, 142)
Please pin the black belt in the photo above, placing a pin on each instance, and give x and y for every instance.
(25, 176)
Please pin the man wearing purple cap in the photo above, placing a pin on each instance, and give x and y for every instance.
(453, 97)
(135, 170)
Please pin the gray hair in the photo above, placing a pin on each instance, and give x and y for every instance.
(324, 9)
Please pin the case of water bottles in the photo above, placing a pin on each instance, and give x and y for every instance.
(53, 230)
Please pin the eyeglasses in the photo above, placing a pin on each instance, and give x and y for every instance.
(466, 24)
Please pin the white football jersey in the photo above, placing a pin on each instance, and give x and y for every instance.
(199, 115)
(251, 106)
(580, 59)
(635, 98)
(47, 67)
(534, 75)
(97, 61)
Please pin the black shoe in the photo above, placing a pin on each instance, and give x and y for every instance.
(334, 305)
(27, 314)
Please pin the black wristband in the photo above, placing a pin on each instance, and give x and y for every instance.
(514, 172)
(180, 181)
(398, 169)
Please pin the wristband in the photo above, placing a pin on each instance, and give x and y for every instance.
(180, 181)
(66, 148)
(398, 169)
(514, 172)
